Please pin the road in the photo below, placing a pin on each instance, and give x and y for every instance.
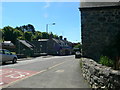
(44, 72)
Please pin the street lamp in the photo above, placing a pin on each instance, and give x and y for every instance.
(47, 26)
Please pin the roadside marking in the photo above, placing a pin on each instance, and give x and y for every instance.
(8, 76)
(22, 79)
(25, 77)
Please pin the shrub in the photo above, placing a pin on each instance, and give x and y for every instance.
(81, 64)
(104, 60)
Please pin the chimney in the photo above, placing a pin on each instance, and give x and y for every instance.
(50, 36)
(65, 39)
(61, 37)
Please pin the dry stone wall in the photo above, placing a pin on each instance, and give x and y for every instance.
(99, 76)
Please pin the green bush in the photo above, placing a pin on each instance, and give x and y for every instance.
(104, 60)
(81, 65)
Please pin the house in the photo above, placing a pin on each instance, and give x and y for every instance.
(58, 47)
(41, 45)
(53, 46)
(100, 23)
(24, 47)
(7, 45)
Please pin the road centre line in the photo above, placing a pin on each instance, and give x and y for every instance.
(5, 86)
(56, 65)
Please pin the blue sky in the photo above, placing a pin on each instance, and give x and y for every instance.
(66, 15)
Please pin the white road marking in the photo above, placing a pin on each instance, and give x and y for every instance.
(4, 72)
(18, 74)
(32, 75)
(59, 71)
(1, 83)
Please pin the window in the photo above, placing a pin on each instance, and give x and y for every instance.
(40, 45)
(7, 52)
(1, 52)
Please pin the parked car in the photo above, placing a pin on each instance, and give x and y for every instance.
(6, 56)
(77, 54)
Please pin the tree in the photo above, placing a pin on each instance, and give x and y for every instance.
(11, 34)
(1, 35)
(78, 47)
(19, 34)
(25, 28)
(38, 35)
(56, 36)
(30, 28)
(19, 28)
(28, 36)
(45, 35)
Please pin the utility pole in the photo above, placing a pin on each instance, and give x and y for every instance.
(47, 26)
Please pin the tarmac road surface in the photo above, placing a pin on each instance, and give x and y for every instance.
(51, 72)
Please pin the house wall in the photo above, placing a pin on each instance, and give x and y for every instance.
(53, 47)
(22, 49)
(41, 46)
(37, 44)
(99, 25)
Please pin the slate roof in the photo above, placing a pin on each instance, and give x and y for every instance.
(27, 43)
(7, 44)
(62, 43)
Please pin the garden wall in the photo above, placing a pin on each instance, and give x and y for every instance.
(99, 76)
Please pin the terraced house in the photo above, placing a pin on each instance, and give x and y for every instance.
(53, 46)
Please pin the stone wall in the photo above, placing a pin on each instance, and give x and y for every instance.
(99, 76)
(99, 25)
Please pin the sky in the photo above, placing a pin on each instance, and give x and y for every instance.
(65, 15)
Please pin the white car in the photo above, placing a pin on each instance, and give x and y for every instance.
(77, 54)
(6, 55)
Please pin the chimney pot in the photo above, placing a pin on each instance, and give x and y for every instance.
(51, 36)
(61, 37)
(65, 39)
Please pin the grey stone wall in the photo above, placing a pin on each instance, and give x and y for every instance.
(99, 25)
(99, 76)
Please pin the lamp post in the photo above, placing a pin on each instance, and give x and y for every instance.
(47, 26)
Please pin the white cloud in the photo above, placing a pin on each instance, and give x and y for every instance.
(47, 5)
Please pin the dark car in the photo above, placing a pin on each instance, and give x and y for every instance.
(77, 54)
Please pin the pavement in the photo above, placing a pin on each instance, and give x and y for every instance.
(52, 72)
(21, 59)
(30, 58)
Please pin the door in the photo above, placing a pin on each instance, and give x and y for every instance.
(1, 56)
(7, 55)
